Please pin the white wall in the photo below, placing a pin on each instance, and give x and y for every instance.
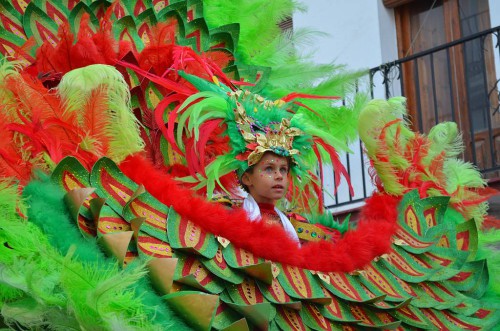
(494, 12)
(361, 35)
(354, 31)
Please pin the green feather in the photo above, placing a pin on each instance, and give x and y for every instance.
(327, 219)
(89, 282)
(344, 118)
(46, 283)
(309, 128)
(489, 244)
(221, 166)
(461, 173)
(208, 108)
(209, 103)
(7, 99)
(445, 137)
(373, 118)
(203, 85)
(258, 20)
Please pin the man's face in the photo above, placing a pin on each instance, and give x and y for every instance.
(269, 180)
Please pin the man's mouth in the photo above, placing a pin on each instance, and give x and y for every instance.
(281, 187)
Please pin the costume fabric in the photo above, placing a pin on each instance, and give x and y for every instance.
(254, 214)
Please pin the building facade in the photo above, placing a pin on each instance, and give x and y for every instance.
(442, 55)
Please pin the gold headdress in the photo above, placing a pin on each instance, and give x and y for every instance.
(270, 138)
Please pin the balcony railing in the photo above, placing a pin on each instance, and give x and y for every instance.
(478, 116)
(458, 81)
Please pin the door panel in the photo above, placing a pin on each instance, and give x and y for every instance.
(453, 84)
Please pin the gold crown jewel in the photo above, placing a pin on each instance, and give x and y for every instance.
(276, 137)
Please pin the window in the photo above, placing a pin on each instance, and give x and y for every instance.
(454, 83)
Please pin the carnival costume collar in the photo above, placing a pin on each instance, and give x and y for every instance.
(254, 214)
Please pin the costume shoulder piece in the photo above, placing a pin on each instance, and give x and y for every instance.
(121, 122)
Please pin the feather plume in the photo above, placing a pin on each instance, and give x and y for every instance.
(12, 164)
(95, 141)
(56, 59)
(157, 54)
(104, 41)
(161, 81)
(87, 48)
(7, 70)
(33, 117)
(26, 266)
(338, 167)
(121, 127)
(405, 160)
(210, 103)
(255, 34)
(84, 51)
(206, 131)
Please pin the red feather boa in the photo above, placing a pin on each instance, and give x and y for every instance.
(354, 250)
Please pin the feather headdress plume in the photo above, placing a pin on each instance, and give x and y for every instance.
(253, 125)
(112, 121)
(87, 116)
(405, 160)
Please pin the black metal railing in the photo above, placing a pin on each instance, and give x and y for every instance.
(356, 165)
(460, 81)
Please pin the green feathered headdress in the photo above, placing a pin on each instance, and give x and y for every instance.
(252, 125)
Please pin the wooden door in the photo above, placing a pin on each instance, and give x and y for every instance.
(457, 83)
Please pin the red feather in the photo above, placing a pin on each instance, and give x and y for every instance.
(158, 53)
(162, 81)
(192, 158)
(56, 59)
(320, 165)
(168, 130)
(90, 47)
(84, 52)
(319, 193)
(184, 58)
(103, 39)
(18, 170)
(217, 60)
(215, 149)
(310, 109)
(338, 167)
(295, 95)
(37, 98)
(12, 165)
(94, 122)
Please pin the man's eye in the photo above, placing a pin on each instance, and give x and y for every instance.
(284, 170)
(268, 169)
